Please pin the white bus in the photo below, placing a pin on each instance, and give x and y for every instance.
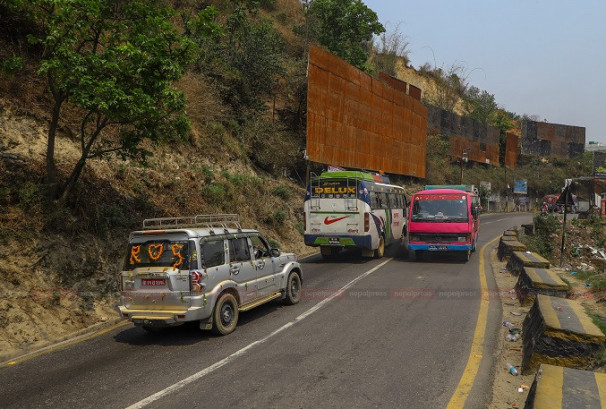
(353, 209)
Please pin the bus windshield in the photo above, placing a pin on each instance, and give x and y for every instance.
(442, 209)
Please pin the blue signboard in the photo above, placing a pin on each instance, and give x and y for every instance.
(520, 186)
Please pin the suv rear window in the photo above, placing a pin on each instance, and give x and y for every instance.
(161, 253)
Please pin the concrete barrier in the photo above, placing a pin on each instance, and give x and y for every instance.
(507, 245)
(558, 331)
(556, 387)
(533, 281)
(521, 259)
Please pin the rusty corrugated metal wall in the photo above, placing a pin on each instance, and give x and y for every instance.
(357, 121)
(552, 140)
(511, 150)
(479, 141)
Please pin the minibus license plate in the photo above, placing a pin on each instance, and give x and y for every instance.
(438, 248)
(333, 240)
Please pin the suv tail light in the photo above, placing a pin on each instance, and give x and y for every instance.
(195, 279)
(366, 222)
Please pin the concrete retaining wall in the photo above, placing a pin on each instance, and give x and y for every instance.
(521, 259)
(559, 331)
(533, 281)
(556, 387)
(507, 245)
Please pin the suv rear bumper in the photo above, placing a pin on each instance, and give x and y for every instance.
(163, 317)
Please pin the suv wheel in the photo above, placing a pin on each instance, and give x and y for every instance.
(225, 316)
(293, 289)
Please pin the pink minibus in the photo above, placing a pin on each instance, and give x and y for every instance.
(443, 219)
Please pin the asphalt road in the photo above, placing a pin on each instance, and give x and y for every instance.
(399, 335)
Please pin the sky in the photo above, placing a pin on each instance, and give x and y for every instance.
(537, 57)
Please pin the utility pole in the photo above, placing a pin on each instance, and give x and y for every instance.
(567, 199)
(462, 160)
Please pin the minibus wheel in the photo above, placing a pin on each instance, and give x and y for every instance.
(467, 255)
(412, 255)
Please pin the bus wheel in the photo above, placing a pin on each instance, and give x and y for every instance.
(381, 249)
(328, 252)
(225, 316)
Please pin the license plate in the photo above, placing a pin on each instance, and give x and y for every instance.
(153, 282)
(438, 248)
(334, 240)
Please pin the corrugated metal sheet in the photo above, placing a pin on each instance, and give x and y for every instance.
(357, 121)
(479, 141)
(552, 140)
(511, 150)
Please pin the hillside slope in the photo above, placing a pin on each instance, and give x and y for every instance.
(58, 266)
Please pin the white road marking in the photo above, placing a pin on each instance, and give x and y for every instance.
(184, 382)
(494, 221)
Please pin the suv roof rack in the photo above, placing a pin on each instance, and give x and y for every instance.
(210, 221)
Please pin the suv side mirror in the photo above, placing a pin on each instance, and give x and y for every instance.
(275, 252)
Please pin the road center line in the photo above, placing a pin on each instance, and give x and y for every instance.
(494, 221)
(184, 382)
(477, 345)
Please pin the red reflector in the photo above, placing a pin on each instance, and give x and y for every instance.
(181, 317)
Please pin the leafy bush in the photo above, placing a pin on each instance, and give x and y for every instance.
(237, 179)
(214, 193)
(29, 195)
(597, 232)
(545, 239)
(11, 66)
(279, 217)
(282, 192)
(208, 174)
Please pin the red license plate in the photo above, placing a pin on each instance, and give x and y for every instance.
(153, 282)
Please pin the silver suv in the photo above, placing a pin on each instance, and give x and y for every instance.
(203, 268)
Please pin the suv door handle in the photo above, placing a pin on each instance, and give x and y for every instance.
(235, 270)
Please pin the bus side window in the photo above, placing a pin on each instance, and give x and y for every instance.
(374, 200)
(384, 201)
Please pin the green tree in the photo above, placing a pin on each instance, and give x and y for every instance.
(503, 121)
(244, 55)
(115, 61)
(480, 105)
(345, 27)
